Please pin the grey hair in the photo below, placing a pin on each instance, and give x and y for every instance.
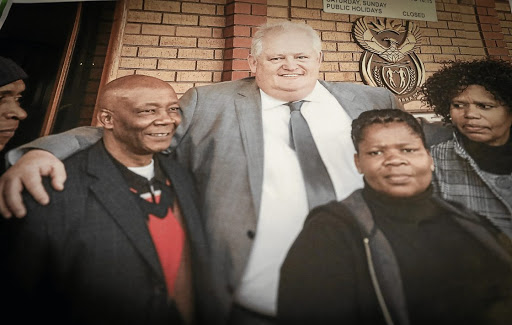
(283, 26)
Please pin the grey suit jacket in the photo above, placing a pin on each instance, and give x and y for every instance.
(89, 256)
(220, 140)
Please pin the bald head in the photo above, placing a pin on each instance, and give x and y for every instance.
(122, 89)
(139, 115)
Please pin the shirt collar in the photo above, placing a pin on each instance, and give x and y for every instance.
(317, 95)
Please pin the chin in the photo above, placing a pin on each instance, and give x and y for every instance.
(402, 192)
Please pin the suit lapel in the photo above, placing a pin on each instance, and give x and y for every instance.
(248, 110)
(113, 193)
(346, 99)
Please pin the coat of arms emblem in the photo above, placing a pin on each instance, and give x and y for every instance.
(389, 60)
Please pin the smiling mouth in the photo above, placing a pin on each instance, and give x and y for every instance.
(8, 132)
(159, 135)
(291, 75)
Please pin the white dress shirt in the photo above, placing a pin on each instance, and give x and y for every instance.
(284, 204)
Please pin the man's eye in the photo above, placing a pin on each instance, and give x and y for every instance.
(275, 59)
(302, 57)
(486, 107)
(147, 111)
(375, 153)
(457, 105)
(409, 150)
(175, 109)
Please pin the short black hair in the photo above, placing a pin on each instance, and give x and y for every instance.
(455, 76)
(384, 116)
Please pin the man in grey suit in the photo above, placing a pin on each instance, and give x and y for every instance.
(235, 139)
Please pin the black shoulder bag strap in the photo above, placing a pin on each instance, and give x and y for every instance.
(382, 264)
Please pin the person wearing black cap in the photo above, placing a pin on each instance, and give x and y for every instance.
(11, 87)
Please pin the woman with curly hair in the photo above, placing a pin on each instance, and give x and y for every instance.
(475, 167)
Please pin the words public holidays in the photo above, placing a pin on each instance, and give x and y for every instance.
(401, 9)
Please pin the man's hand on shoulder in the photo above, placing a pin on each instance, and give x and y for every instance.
(27, 173)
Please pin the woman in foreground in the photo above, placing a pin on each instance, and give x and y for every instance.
(392, 253)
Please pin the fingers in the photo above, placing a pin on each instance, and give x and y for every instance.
(58, 175)
(27, 173)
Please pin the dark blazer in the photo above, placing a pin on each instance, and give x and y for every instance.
(88, 257)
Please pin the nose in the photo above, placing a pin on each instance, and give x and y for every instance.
(394, 159)
(15, 112)
(471, 112)
(290, 63)
(168, 117)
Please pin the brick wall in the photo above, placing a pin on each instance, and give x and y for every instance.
(181, 42)
(505, 18)
(195, 42)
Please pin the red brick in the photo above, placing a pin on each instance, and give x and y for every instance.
(489, 20)
(485, 3)
(240, 65)
(492, 35)
(263, 2)
(237, 53)
(259, 10)
(234, 75)
(492, 12)
(238, 8)
(496, 28)
(500, 43)
(498, 51)
(490, 43)
(238, 31)
(486, 28)
(481, 10)
(238, 42)
(249, 20)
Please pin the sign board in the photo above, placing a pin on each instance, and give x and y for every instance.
(401, 9)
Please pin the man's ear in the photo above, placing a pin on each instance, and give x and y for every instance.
(252, 63)
(105, 118)
(356, 161)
